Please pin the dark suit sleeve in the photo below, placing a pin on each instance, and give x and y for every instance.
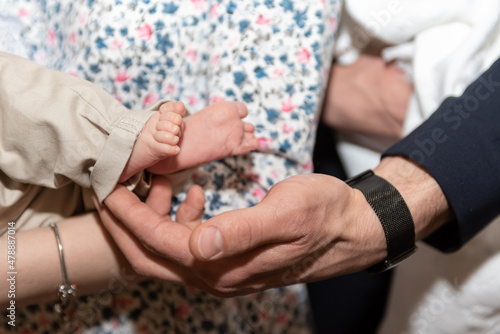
(459, 145)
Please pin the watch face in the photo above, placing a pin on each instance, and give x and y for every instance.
(389, 264)
(360, 177)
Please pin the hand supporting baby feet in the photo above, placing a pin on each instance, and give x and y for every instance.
(158, 140)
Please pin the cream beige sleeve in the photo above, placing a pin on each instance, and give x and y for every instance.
(56, 128)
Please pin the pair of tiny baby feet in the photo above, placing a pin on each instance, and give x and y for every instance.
(169, 142)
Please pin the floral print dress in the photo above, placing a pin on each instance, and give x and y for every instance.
(273, 55)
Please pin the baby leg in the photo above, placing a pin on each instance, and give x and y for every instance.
(213, 133)
(158, 140)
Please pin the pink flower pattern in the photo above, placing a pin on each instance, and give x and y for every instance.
(198, 52)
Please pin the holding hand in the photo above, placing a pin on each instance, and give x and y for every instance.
(368, 97)
(307, 228)
(291, 236)
(154, 245)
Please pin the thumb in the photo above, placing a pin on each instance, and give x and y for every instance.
(236, 232)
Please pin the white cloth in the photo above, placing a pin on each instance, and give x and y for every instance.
(443, 45)
(436, 293)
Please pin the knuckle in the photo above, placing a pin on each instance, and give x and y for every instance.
(249, 233)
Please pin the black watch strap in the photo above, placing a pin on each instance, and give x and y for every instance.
(393, 214)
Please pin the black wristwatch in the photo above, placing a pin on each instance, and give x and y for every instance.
(394, 216)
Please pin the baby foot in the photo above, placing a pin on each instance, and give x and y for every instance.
(213, 133)
(158, 140)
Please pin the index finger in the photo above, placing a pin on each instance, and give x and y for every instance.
(156, 232)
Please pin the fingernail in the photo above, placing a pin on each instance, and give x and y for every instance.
(210, 242)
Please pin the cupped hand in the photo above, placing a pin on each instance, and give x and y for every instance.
(155, 245)
(307, 228)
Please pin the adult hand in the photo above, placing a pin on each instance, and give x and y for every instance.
(310, 227)
(292, 236)
(307, 228)
(155, 245)
(368, 97)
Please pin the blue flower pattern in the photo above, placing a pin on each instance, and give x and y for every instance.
(274, 55)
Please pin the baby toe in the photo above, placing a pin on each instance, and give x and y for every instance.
(170, 127)
(248, 127)
(171, 117)
(165, 137)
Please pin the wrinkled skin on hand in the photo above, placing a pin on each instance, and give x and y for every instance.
(292, 236)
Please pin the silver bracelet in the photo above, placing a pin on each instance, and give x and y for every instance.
(67, 292)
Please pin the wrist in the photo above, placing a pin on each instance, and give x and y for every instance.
(355, 237)
(369, 228)
(393, 215)
(422, 194)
